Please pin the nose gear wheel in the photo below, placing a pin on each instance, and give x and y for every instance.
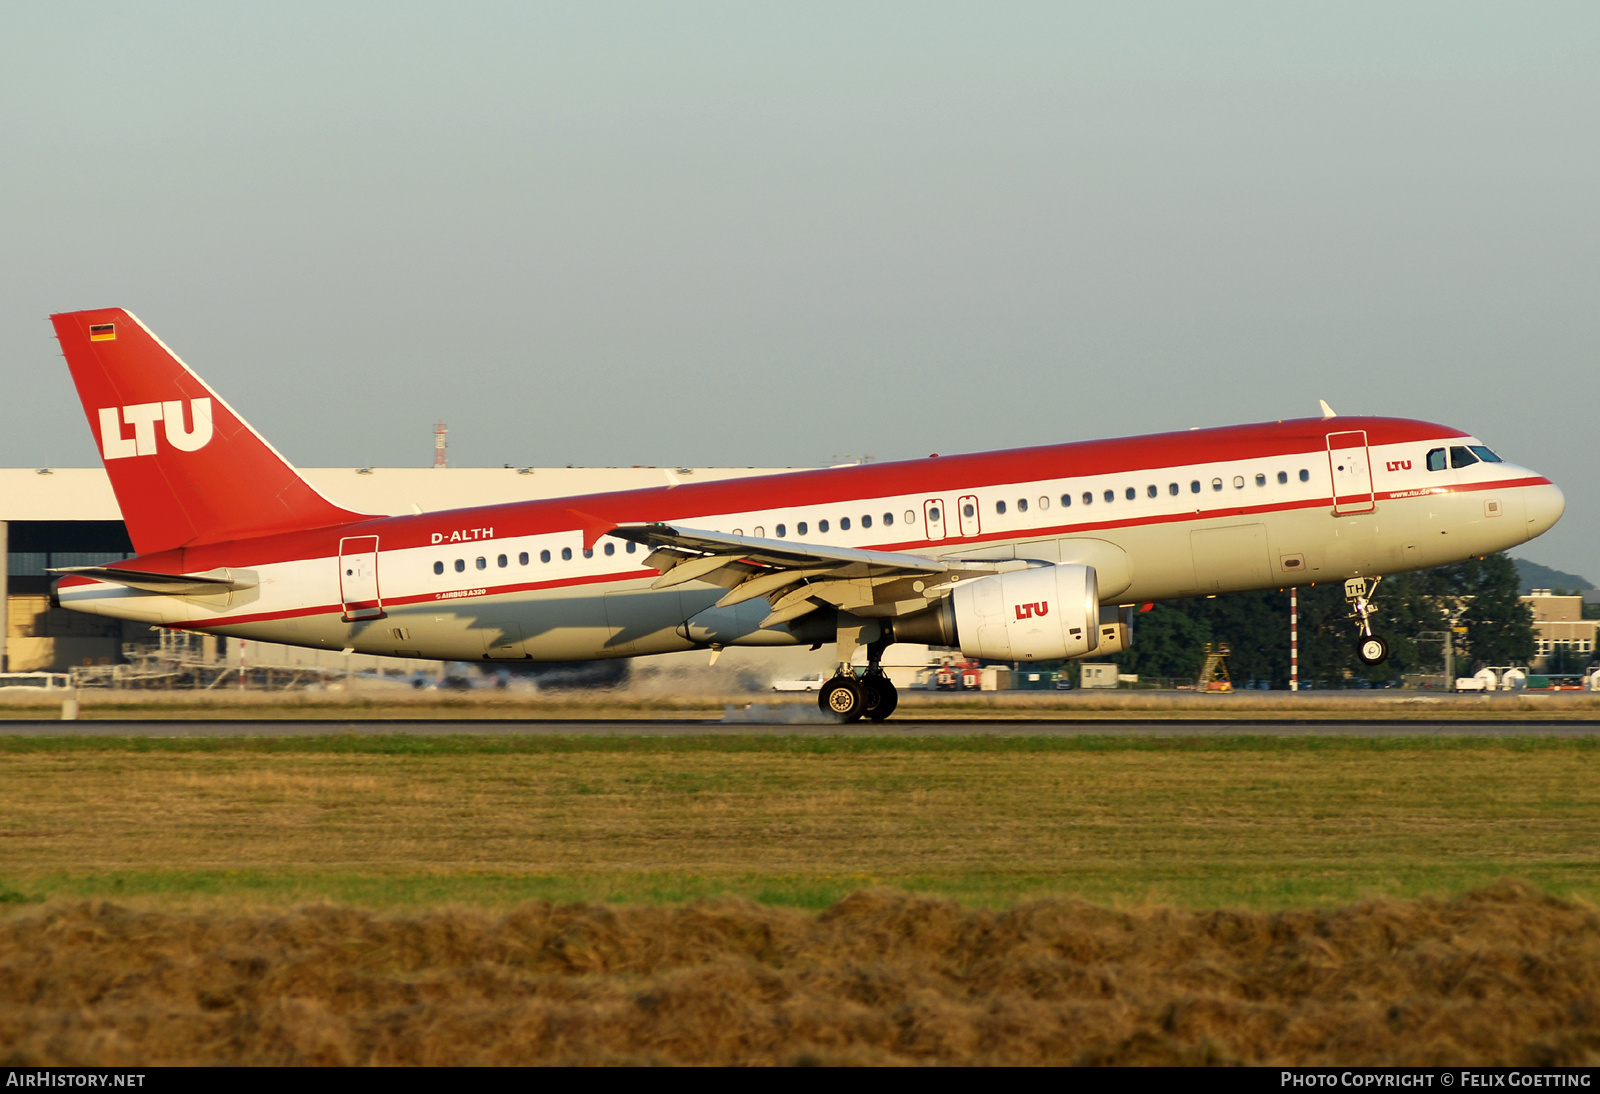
(1358, 591)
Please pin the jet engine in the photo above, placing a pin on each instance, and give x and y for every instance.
(1048, 613)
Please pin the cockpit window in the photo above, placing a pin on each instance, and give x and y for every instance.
(1460, 457)
(1436, 459)
(1484, 454)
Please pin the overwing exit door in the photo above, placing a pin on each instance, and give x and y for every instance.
(358, 578)
(1352, 472)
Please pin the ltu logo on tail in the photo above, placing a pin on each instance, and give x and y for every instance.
(1038, 609)
(143, 418)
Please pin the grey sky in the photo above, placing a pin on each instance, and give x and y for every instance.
(762, 234)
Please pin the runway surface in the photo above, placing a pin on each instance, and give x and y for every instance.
(768, 724)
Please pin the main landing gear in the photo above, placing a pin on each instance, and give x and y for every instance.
(871, 695)
(1358, 591)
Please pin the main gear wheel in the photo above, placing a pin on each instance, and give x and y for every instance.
(881, 696)
(844, 698)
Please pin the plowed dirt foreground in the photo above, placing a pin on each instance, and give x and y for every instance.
(1503, 975)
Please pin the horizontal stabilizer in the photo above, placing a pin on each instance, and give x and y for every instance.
(214, 582)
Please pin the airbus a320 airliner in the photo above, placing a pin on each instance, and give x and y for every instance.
(1031, 554)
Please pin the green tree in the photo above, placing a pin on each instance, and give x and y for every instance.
(1499, 625)
(1167, 642)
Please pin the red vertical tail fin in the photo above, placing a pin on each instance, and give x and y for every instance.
(186, 469)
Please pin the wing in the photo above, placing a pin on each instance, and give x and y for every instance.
(799, 578)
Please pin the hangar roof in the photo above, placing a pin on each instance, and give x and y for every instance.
(84, 493)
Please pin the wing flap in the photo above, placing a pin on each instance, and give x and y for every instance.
(799, 578)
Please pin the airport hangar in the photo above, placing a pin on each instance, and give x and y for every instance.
(68, 516)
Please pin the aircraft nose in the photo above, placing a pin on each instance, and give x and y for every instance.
(1545, 504)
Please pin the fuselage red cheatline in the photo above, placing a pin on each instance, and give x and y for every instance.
(1018, 555)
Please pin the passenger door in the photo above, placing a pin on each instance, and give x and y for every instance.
(358, 578)
(1351, 469)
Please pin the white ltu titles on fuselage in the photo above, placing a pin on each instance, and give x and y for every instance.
(1006, 555)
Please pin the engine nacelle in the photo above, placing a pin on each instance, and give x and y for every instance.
(1048, 613)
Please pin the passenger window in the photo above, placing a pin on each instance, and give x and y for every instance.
(588, 552)
(1130, 493)
(844, 524)
(611, 549)
(1261, 480)
(631, 547)
(438, 567)
(522, 559)
(544, 556)
(999, 507)
(911, 517)
(1305, 476)
(1044, 503)
(502, 561)
(483, 563)
(461, 565)
(738, 531)
(1460, 457)
(888, 519)
(781, 531)
(1022, 505)
(566, 554)
(759, 532)
(1066, 501)
(1151, 490)
(1194, 487)
(866, 520)
(1216, 484)
(1088, 498)
(933, 514)
(1238, 482)
(1283, 477)
(1484, 454)
(800, 529)
(1111, 495)
(1172, 488)
(822, 527)
(969, 510)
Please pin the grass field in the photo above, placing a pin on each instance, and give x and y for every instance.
(395, 822)
(725, 899)
(1500, 976)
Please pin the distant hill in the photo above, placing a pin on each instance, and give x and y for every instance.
(1534, 576)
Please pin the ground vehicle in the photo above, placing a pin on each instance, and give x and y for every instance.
(805, 683)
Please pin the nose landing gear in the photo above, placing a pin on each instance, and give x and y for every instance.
(1358, 591)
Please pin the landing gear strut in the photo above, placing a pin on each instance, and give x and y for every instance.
(1358, 591)
(848, 697)
(882, 697)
